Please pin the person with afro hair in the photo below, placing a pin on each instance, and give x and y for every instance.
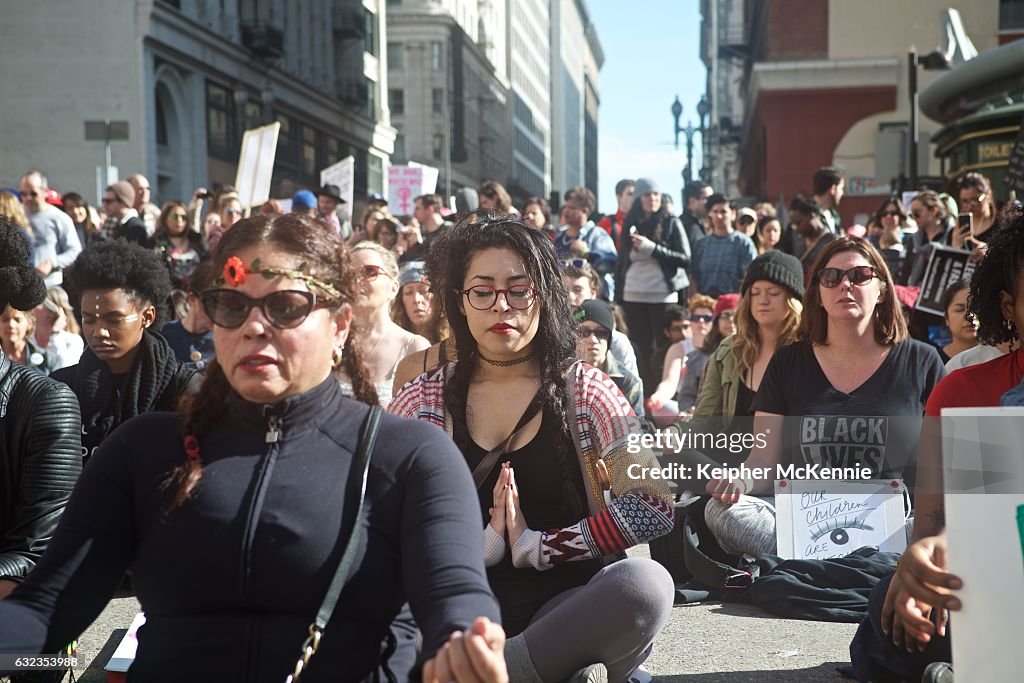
(40, 449)
(120, 291)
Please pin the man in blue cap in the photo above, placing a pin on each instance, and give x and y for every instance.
(304, 202)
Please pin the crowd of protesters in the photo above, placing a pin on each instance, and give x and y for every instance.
(274, 331)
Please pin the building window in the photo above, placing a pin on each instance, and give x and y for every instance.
(437, 100)
(435, 56)
(1011, 14)
(371, 100)
(400, 147)
(396, 100)
(394, 3)
(437, 146)
(309, 166)
(220, 140)
(331, 150)
(396, 56)
(370, 32)
(374, 174)
(287, 144)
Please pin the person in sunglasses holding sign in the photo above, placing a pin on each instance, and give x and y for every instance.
(120, 292)
(546, 439)
(237, 516)
(854, 390)
(385, 343)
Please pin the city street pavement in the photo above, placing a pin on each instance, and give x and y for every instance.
(708, 643)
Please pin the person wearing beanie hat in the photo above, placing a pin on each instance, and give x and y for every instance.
(304, 202)
(39, 431)
(726, 304)
(596, 324)
(779, 268)
(651, 271)
(123, 220)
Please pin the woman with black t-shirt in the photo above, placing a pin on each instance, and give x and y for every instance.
(854, 390)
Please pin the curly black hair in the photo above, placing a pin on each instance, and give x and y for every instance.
(21, 286)
(120, 264)
(555, 342)
(999, 271)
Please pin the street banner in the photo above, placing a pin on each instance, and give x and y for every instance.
(406, 182)
(343, 175)
(256, 165)
(945, 267)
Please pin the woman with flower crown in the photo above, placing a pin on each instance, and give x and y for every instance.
(237, 517)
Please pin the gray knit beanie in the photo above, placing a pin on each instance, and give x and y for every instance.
(776, 267)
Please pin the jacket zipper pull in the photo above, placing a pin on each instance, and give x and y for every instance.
(272, 432)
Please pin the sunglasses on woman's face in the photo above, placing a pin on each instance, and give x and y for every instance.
(370, 273)
(858, 275)
(284, 309)
(701, 318)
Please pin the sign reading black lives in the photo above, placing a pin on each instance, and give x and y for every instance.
(1015, 166)
(946, 266)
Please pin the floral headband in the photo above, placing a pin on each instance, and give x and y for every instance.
(235, 273)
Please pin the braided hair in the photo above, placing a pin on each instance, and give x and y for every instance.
(21, 286)
(1000, 270)
(555, 342)
(327, 259)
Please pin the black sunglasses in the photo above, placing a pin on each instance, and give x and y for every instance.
(858, 275)
(600, 333)
(284, 309)
(701, 318)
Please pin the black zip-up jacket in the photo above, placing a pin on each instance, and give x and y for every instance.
(672, 251)
(40, 461)
(231, 580)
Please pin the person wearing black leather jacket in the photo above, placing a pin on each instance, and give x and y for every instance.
(120, 293)
(234, 516)
(40, 451)
(654, 255)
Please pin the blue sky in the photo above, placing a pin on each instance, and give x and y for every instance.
(652, 54)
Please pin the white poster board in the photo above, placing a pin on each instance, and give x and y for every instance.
(406, 182)
(985, 538)
(818, 520)
(343, 175)
(256, 165)
(124, 655)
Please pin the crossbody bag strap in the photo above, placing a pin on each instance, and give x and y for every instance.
(485, 466)
(357, 478)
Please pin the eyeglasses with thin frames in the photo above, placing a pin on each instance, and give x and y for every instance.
(483, 297)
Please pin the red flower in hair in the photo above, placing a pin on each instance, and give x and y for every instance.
(234, 271)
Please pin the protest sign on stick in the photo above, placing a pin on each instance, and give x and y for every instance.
(256, 165)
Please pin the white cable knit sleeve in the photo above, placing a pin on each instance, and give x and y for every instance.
(494, 547)
(527, 551)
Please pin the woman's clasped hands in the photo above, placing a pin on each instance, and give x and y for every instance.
(508, 522)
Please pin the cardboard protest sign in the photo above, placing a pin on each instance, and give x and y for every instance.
(945, 267)
(406, 182)
(818, 520)
(983, 474)
(343, 175)
(256, 164)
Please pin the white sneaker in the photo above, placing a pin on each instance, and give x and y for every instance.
(641, 675)
(595, 673)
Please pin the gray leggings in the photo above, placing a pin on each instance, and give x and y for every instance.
(613, 619)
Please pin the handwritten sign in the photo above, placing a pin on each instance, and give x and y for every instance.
(124, 655)
(818, 520)
(406, 182)
(983, 478)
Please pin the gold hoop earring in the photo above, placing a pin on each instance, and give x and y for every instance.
(336, 357)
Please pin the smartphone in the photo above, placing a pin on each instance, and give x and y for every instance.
(965, 224)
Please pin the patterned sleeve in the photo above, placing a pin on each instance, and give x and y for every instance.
(408, 400)
(641, 509)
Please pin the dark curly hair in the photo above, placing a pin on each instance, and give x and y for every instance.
(328, 260)
(21, 286)
(119, 264)
(556, 335)
(999, 271)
